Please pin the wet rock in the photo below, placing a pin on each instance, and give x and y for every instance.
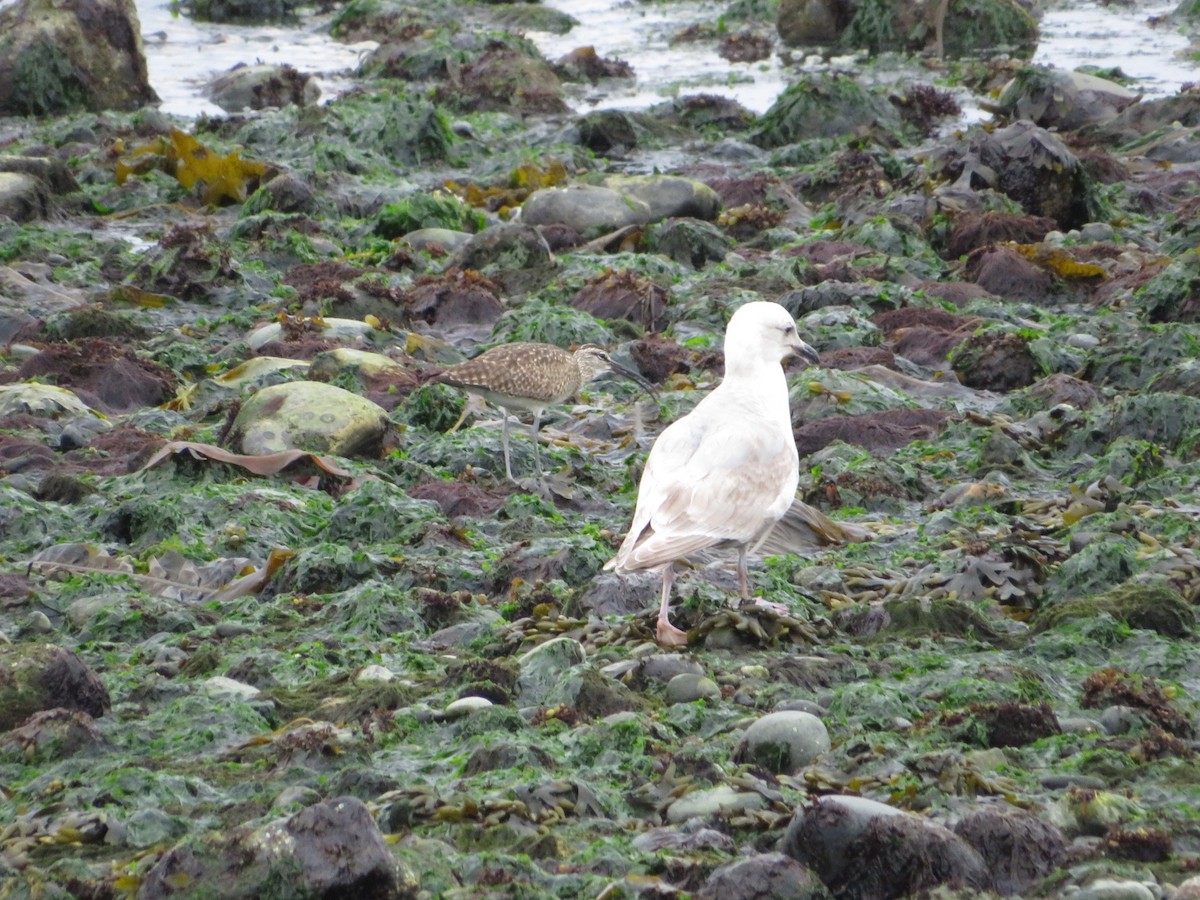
(37, 399)
(1003, 272)
(456, 298)
(543, 667)
(506, 755)
(885, 430)
(589, 209)
(308, 415)
(285, 193)
(1019, 849)
(107, 376)
(608, 132)
(1084, 811)
(687, 687)
(506, 246)
(262, 86)
(765, 875)
(23, 198)
(824, 106)
(785, 741)
(972, 230)
(328, 849)
(1062, 99)
(1155, 605)
(707, 802)
(243, 12)
(995, 360)
(437, 241)
(505, 80)
(801, 22)
(668, 196)
(969, 28)
(864, 849)
(58, 57)
(1036, 169)
(37, 677)
(52, 734)
(624, 295)
(464, 706)
(1115, 889)
(690, 242)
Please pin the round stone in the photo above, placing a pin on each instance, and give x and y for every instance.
(786, 741)
(688, 686)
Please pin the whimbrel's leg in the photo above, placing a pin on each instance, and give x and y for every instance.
(667, 633)
(537, 460)
(462, 418)
(504, 441)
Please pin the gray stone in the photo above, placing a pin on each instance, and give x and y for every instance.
(544, 667)
(688, 687)
(308, 415)
(1114, 889)
(721, 799)
(23, 198)
(262, 86)
(786, 741)
(767, 875)
(588, 209)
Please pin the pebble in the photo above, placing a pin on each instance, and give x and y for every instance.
(688, 687)
(1083, 341)
(800, 704)
(786, 741)
(665, 666)
(710, 802)
(464, 706)
(375, 673)
(220, 687)
(1120, 719)
(1112, 889)
(1080, 725)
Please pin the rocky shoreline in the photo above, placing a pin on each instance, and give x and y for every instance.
(270, 628)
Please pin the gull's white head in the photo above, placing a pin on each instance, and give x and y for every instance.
(763, 330)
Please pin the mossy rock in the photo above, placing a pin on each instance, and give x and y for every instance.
(1173, 295)
(822, 106)
(1155, 606)
(432, 210)
(971, 28)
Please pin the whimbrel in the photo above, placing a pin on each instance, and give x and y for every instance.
(726, 472)
(531, 376)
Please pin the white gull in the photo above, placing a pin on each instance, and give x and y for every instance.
(726, 472)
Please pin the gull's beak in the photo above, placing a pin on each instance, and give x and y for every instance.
(805, 352)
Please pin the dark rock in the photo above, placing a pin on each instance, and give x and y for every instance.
(972, 230)
(37, 677)
(262, 86)
(1061, 99)
(1005, 273)
(330, 849)
(1019, 849)
(995, 360)
(1016, 724)
(53, 734)
(23, 198)
(105, 375)
(506, 246)
(622, 294)
(824, 106)
(801, 22)
(879, 431)
(607, 132)
(767, 876)
(58, 57)
(1037, 170)
(506, 80)
(689, 241)
(456, 298)
(865, 850)
(850, 358)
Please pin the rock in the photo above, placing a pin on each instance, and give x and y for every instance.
(54, 174)
(801, 22)
(995, 360)
(785, 741)
(970, 28)
(1066, 100)
(543, 667)
(435, 239)
(308, 415)
(668, 196)
(329, 849)
(1115, 889)
(507, 80)
(511, 245)
(464, 706)
(865, 849)
(607, 132)
(1019, 849)
(689, 241)
(375, 673)
(687, 687)
(823, 106)
(243, 12)
(589, 209)
(23, 198)
(719, 800)
(57, 57)
(262, 86)
(221, 688)
(36, 399)
(1038, 171)
(1188, 890)
(285, 193)
(35, 677)
(53, 734)
(766, 875)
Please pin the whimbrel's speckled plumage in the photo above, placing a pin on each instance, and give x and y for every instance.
(529, 376)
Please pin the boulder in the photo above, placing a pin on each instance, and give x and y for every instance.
(36, 677)
(308, 415)
(58, 56)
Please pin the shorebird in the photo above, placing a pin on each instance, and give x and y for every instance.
(530, 376)
(726, 472)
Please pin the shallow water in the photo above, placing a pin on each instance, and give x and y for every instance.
(183, 55)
